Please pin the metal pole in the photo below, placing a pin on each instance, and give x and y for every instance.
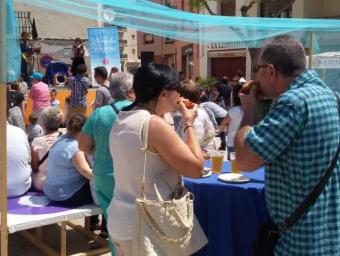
(310, 53)
(3, 120)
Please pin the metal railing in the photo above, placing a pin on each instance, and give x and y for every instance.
(24, 19)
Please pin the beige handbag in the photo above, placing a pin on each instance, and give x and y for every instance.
(166, 226)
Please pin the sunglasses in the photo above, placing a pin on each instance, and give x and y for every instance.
(257, 68)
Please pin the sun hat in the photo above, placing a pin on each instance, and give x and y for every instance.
(37, 76)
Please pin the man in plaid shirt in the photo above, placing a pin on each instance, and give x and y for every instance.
(296, 141)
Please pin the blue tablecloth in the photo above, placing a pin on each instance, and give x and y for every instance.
(230, 214)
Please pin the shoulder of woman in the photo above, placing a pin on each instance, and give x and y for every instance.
(158, 126)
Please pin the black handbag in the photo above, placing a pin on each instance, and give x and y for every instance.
(269, 233)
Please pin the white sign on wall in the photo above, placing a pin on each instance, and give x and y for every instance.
(328, 60)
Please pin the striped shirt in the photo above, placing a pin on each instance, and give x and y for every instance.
(78, 85)
(297, 140)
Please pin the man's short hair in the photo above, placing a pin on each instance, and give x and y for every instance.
(190, 91)
(239, 73)
(101, 71)
(81, 69)
(285, 53)
(114, 69)
(120, 84)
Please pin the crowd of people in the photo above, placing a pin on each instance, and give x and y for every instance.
(101, 155)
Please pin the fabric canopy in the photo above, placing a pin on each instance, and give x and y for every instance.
(13, 47)
(168, 22)
(150, 17)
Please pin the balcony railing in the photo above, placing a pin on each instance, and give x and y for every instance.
(24, 19)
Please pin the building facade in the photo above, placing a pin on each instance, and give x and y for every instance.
(225, 58)
(183, 56)
(57, 31)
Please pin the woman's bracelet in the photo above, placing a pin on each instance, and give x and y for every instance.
(186, 127)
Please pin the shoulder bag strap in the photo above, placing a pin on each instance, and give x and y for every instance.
(115, 109)
(303, 207)
(144, 137)
(47, 153)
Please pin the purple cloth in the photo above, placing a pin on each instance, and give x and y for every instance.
(33, 203)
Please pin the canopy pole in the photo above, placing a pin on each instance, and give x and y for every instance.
(310, 53)
(3, 121)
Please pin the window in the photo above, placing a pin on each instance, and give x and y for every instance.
(133, 51)
(148, 38)
(133, 37)
(25, 23)
(277, 9)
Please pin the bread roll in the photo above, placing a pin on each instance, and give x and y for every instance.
(188, 104)
(247, 87)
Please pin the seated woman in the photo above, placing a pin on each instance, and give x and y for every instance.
(18, 158)
(68, 173)
(51, 119)
(16, 103)
(156, 87)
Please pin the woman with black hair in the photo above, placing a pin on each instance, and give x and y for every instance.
(78, 51)
(156, 88)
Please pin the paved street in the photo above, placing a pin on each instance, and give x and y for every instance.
(76, 242)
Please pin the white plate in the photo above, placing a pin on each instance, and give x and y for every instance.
(233, 178)
(206, 172)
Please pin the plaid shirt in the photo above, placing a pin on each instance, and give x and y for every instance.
(78, 85)
(297, 140)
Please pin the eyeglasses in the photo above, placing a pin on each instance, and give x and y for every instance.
(257, 67)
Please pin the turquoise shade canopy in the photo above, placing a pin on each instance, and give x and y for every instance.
(157, 19)
(168, 22)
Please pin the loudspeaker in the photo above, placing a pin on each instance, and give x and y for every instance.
(146, 58)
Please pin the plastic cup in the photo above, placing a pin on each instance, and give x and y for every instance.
(233, 167)
(216, 161)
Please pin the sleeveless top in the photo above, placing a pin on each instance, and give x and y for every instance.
(128, 158)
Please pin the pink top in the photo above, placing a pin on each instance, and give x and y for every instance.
(40, 96)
